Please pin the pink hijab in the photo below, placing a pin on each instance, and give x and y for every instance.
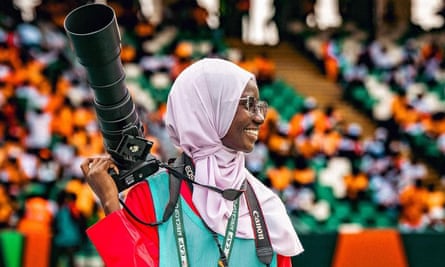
(200, 108)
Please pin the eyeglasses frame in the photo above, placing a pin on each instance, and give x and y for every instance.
(258, 106)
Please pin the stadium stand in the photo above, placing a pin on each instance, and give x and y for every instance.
(329, 174)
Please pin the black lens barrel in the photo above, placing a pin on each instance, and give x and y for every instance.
(94, 35)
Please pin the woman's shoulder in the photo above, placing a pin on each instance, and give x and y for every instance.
(143, 187)
(158, 179)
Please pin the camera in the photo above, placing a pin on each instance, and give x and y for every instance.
(93, 32)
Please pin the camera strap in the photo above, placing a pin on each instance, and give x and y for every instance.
(174, 189)
(263, 244)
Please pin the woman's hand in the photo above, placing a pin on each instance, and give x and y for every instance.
(95, 170)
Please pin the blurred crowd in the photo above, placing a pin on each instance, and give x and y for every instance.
(397, 82)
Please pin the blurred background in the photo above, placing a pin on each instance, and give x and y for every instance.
(353, 143)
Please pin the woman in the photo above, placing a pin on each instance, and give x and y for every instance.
(213, 116)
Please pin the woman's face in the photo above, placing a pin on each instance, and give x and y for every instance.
(243, 131)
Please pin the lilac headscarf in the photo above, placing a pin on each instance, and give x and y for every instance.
(200, 108)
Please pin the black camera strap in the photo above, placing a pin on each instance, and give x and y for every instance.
(263, 245)
(174, 189)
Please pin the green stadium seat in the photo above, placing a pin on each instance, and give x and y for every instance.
(366, 209)
(357, 219)
(288, 93)
(297, 103)
(421, 140)
(308, 220)
(325, 192)
(12, 247)
(267, 92)
(288, 112)
(302, 223)
(318, 164)
(278, 102)
(341, 210)
(361, 96)
(332, 224)
(279, 85)
(432, 150)
(383, 221)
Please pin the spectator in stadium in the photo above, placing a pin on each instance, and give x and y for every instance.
(265, 68)
(279, 144)
(383, 190)
(182, 58)
(351, 146)
(213, 115)
(413, 216)
(305, 120)
(6, 208)
(279, 176)
(303, 174)
(68, 228)
(270, 125)
(246, 63)
(36, 226)
(328, 119)
(331, 58)
(357, 184)
(435, 201)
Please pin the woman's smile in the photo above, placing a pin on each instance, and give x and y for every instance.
(252, 132)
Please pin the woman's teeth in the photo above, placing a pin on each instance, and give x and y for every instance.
(251, 131)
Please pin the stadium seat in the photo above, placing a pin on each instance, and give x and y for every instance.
(12, 248)
(366, 209)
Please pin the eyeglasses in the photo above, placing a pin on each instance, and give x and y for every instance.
(254, 106)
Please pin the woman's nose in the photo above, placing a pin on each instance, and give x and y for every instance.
(258, 117)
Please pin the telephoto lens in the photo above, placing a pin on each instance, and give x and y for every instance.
(94, 35)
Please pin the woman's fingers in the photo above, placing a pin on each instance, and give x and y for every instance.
(114, 167)
(98, 164)
(96, 172)
(85, 166)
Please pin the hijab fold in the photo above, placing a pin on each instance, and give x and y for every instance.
(200, 108)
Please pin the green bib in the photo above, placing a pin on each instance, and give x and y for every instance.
(201, 247)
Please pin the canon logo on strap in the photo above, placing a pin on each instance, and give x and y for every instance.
(258, 226)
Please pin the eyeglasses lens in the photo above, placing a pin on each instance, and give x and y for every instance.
(254, 106)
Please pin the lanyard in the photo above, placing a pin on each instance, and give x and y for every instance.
(178, 226)
(231, 229)
(181, 246)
